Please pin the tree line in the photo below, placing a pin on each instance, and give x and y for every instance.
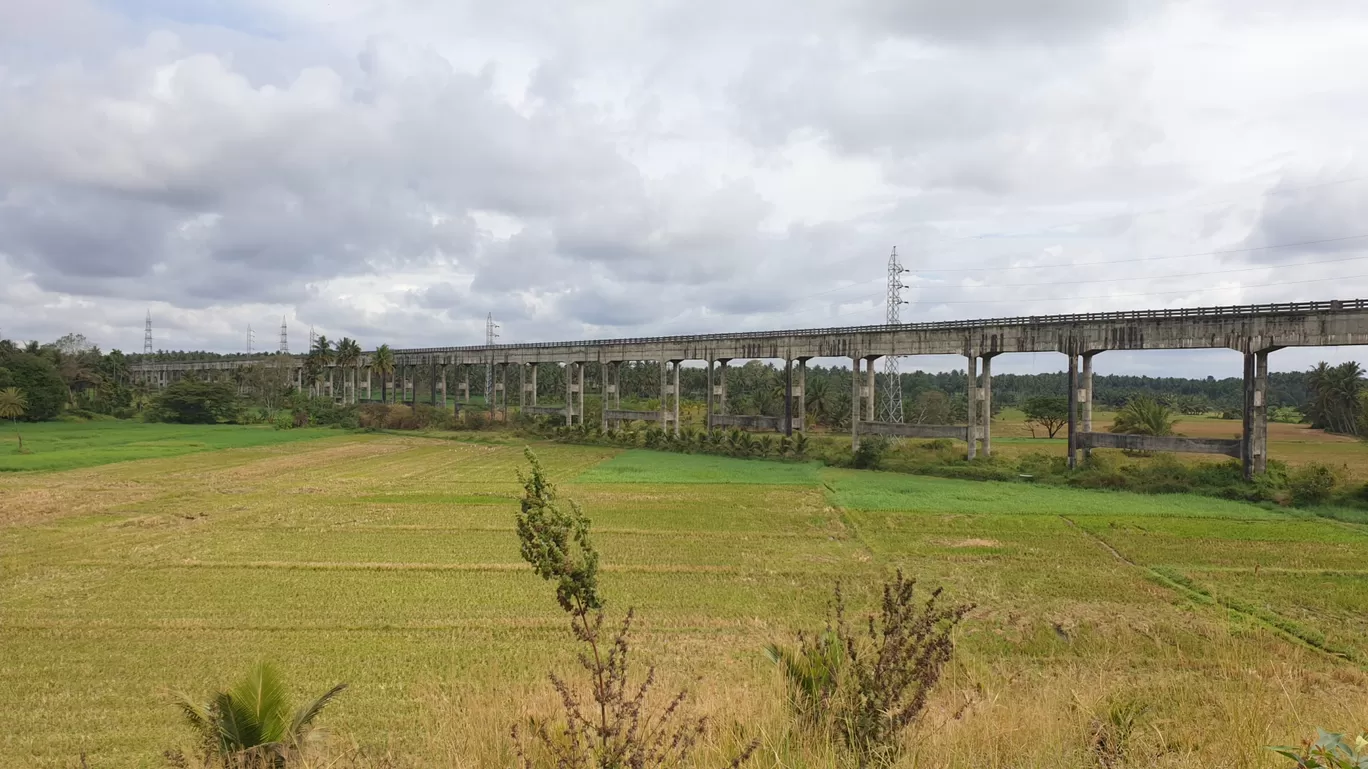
(72, 374)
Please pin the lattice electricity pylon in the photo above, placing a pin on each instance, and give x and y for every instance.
(891, 405)
(251, 338)
(147, 335)
(491, 333)
(284, 339)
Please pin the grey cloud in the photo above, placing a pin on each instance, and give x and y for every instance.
(997, 21)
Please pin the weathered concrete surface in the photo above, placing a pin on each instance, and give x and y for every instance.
(1167, 443)
(1248, 328)
(752, 422)
(897, 430)
(628, 415)
(547, 410)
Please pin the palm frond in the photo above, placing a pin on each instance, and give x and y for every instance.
(304, 717)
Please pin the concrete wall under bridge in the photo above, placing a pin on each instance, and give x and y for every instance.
(1253, 330)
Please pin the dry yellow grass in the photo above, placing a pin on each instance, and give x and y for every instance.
(390, 563)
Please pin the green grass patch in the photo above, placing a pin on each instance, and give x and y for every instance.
(70, 445)
(923, 494)
(641, 466)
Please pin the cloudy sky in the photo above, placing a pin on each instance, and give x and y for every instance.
(393, 170)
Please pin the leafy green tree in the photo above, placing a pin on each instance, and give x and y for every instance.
(38, 378)
(12, 405)
(929, 407)
(190, 401)
(1050, 412)
(252, 724)
(1144, 416)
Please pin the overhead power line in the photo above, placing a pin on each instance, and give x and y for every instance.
(1156, 258)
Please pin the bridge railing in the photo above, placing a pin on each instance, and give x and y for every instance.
(1234, 311)
(1185, 312)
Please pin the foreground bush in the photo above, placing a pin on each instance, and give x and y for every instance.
(1329, 751)
(865, 688)
(252, 726)
(613, 726)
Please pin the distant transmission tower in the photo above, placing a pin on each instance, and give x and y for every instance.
(491, 333)
(284, 340)
(147, 335)
(251, 338)
(313, 338)
(891, 409)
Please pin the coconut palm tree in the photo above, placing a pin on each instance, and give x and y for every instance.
(348, 356)
(1144, 416)
(383, 363)
(251, 726)
(323, 356)
(13, 402)
(1336, 404)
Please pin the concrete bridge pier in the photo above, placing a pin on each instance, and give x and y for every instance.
(856, 401)
(971, 404)
(1254, 438)
(1074, 397)
(465, 384)
(570, 390)
(981, 408)
(674, 393)
(501, 389)
(613, 388)
(717, 390)
(800, 392)
(441, 370)
(788, 396)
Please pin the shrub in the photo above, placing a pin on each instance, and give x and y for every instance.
(1329, 751)
(1312, 484)
(864, 688)
(373, 416)
(619, 729)
(400, 417)
(472, 419)
(869, 455)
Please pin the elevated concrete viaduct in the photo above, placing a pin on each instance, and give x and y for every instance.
(1253, 330)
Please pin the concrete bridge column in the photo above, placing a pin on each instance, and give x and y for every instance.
(617, 389)
(719, 390)
(856, 407)
(465, 384)
(1073, 410)
(442, 384)
(675, 388)
(871, 404)
(534, 384)
(501, 388)
(1087, 398)
(1254, 452)
(579, 405)
(802, 394)
(971, 404)
(569, 394)
(708, 419)
(788, 396)
(986, 401)
(410, 385)
(664, 387)
(433, 385)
